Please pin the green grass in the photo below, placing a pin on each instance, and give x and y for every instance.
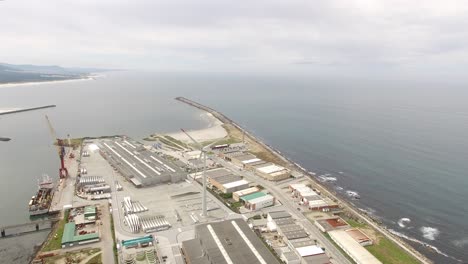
(96, 259)
(55, 241)
(228, 140)
(176, 141)
(355, 223)
(385, 250)
(389, 253)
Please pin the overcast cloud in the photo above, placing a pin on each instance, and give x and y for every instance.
(354, 36)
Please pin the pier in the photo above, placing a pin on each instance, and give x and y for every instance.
(22, 229)
(26, 109)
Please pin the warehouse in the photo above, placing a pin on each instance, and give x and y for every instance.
(235, 186)
(238, 194)
(329, 224)
(325, 205)
(290, 257)
(229, 241)
(359, 237)
(272, 172)
(217, 173)
(219, 182)
(69, 238)
(357, 252)
(260, 202)
(252, 196)
(237, 158)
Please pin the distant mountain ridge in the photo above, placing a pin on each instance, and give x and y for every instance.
(13, 73)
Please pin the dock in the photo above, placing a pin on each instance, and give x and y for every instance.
(26, 228)
(26, 109)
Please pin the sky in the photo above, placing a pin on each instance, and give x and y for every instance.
(349, 37)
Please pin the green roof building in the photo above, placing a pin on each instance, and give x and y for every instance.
(69, 238)
(252, 196)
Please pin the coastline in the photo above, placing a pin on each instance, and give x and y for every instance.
(214, 131)
(347, 206)
(15, 84)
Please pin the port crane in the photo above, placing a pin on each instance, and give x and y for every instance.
(60, 144)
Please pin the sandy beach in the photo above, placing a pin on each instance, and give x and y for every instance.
(214, 131)
(7, 85)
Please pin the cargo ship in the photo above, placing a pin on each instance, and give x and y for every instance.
(40, 203)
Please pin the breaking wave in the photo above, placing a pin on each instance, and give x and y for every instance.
(431, 247)
(429, 233)
(403, 221)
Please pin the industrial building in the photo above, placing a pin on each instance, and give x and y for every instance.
(241, 193)
(330, 224)
(357, 252)
(260, 202)
(297, 238)
(235, 186)
(237, 157)
(139, 165)
(225, 242)
(225, 181)
(70, 238)
(267, 170)
(359, 237)
(311, 198)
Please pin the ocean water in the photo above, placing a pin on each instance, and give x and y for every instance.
(401, 146)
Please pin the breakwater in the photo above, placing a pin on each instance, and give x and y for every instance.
(26, 109)
(349, 208)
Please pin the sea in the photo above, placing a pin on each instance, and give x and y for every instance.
(402, 146)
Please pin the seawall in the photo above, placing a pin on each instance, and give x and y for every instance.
(26, 109)
(346, 205)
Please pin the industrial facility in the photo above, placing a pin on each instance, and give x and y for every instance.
(229, 242)
(301, 248)
(139, 165)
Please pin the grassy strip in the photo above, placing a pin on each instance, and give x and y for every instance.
(96, 259)
(389, 252)
(55, 241)
(384, 249)
(176, 141)
(114, 248)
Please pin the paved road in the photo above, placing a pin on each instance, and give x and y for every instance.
(288, 203)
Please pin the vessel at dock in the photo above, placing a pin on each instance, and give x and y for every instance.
(40, 203)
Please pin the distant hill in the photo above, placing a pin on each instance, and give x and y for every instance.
(11, 73)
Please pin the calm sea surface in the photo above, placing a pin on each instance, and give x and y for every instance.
(402, 146)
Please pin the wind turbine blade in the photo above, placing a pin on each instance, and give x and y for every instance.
(193, 140)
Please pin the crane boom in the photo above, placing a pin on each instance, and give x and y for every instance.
(63, 172)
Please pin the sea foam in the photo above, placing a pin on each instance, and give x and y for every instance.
(430, 233)
(403, 221)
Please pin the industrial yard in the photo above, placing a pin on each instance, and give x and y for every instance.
(146, 203)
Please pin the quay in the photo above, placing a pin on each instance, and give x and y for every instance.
(26, 228)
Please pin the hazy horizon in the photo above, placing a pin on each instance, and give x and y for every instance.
(354, 39)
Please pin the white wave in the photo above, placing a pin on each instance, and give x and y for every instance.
(431, 247)
(429, 233)
(339, 188)
(327, 178)
(403, 221)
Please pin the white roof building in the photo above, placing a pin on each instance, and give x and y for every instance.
(271, 169)
(251, 161)
(309, 251)
(235, 184)
(357, 252)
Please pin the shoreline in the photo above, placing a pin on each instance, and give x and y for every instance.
(214, 131)
(351, 208)
(15, 84)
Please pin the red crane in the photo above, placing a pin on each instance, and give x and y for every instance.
(63, 172)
